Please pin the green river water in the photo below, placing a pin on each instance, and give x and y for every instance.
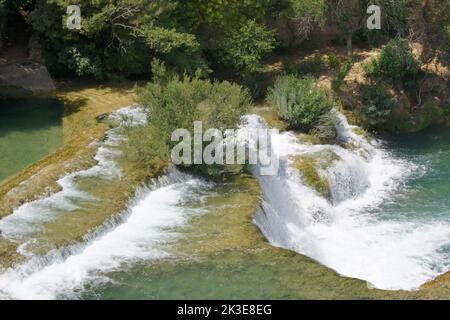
(29, 130)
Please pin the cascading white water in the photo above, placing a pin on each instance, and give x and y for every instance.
(343, 232)
(29, 217)
(141, 234)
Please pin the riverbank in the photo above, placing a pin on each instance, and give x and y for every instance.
(82, 132)
(83, 104)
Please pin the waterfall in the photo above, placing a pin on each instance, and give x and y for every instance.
(141, 233)
(344, 231)
(28, 218)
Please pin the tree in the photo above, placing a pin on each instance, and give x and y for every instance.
(298, 17)
(349, 15)
(307, 13)
(116, 37)
(243, 48)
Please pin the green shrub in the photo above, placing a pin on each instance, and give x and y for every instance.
(339, 81)
(179, 102)
(301, 102)
(308, 67)
(256, 84)
(378, 102)
(289, 67)
(311, 66)
(145, 149)
(244, 47)
(396, 62)
(333, 60)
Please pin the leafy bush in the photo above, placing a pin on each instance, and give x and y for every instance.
(243, 48)
(396, 62)
(311, 66)
(378, 102)
(289, 67)
(145, 149)
(301, 102)
(308, 67)
(256, 85)
(179, 102)
(339, 81)
(333, 60)
(81, 63)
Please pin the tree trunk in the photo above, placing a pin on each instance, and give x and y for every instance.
(349, 45)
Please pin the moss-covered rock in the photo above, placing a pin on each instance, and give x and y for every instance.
(308, 169)
(362, 133)
(307, 138)
(271, 117)
(413, 120)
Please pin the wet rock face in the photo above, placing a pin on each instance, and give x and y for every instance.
(29, 75)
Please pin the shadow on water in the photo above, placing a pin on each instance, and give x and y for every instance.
(29, 130)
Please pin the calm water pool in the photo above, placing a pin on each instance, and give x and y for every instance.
(29, 130)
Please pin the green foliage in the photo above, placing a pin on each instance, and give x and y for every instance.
(396, 62)
(289, 67)
(301, 102)
(83, 64)
(144, 148)
(315, 10)
(333, 60)
(256, 84)
(116, 37)
(339, 81)
(3, 14)
(312, 66)
(378, 102)
(397, 14)
(309, 67)
(179, 102)
(243, 48)
(227, 14)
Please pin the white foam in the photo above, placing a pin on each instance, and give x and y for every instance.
(141, 235)
(343, 232)
(30, 217)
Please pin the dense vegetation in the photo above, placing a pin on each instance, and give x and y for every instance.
(122, 37)
(206, 58)
(173, 103)
(301, 102)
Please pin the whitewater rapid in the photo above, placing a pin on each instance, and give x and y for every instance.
(29, 218)
(142, 233)
(344, 232)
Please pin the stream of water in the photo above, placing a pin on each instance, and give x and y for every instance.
(386, 221)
